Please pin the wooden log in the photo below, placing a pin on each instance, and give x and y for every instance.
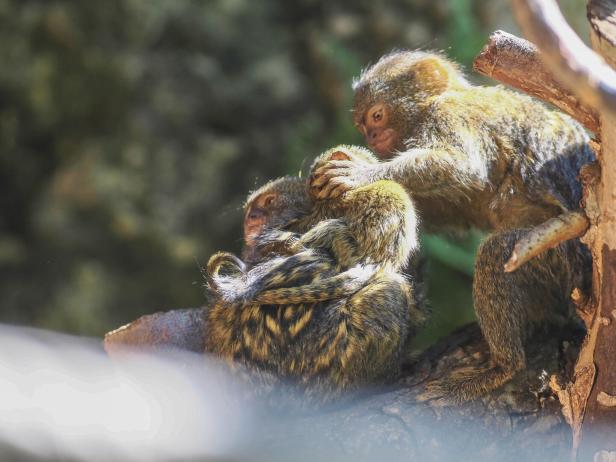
(517, 62)
(181, 329)
(547, 235)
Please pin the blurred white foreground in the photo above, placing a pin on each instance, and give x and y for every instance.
(62, 397)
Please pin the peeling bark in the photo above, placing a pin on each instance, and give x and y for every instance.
(575, 65)
(587, 75)
(546, 236)
(600, 423)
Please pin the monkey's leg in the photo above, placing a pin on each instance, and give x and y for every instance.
(278, 241)
(507, 305)
(379, 319)
(333, 235)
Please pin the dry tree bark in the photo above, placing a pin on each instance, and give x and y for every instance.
(517, 62)
(575, 65)
(547, 235)
(601, 416)
(588, 397)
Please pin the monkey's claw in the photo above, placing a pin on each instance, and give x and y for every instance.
(336, 187)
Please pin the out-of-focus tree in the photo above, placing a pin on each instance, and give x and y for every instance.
(132, 130)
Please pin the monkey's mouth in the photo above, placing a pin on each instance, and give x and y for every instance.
(383, 143)
(251, 233)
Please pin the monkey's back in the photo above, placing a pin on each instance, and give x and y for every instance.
(321, 349)
(532, 156)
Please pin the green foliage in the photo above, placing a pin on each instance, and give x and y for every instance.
(464, 32)
(458, 254)
(132, 130)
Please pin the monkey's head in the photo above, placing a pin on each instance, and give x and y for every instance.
(391, 95)
(275, 205)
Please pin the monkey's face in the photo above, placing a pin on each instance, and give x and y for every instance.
(260, 213)
(274, 209)
(279, 204)
(375, 124)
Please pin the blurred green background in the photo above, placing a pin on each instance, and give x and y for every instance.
(131, 131)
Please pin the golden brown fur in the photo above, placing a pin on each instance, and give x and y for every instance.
(475, 157)
(324, 348)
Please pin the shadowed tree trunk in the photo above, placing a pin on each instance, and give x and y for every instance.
(584, 86)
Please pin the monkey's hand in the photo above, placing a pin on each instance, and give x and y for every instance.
(336, 177)
(277, 241)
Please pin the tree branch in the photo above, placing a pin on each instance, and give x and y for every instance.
(579, 68)
(547, 235)
(517, 62)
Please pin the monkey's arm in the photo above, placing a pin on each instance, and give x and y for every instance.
(334, 236)
(419, 170)
(280, 242)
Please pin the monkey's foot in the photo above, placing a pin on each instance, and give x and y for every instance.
(438, 393)
(465, 384)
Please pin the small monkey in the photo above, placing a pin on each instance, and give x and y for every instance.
(341, 227)
(475, 157)
(330, 346)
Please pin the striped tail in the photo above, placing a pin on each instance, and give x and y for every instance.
(340, 286)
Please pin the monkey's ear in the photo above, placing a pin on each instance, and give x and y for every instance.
(265, 200)
(339, 155)
(432, 74)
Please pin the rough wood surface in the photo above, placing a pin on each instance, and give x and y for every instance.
(586, 74)
(575, 65)
(521, 420)
(517, 62)
(603, 28)
(600, 421)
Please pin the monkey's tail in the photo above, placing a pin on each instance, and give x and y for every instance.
(341, 285)
(219, 260)
(273, 274)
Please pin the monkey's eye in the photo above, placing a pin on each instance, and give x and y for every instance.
(377, 116)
